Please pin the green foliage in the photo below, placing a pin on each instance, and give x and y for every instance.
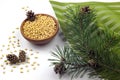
(72, 62)
(91, 48)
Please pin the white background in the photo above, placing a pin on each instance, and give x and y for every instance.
(11, 16)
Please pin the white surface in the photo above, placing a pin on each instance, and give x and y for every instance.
(11, 16)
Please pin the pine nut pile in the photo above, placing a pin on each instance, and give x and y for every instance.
(42, 28)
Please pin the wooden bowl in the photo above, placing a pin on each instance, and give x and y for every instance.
(40, 41)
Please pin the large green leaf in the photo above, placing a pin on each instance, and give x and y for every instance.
(108, 14)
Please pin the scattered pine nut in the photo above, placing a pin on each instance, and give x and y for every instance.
(9, 38)
(15, 51)
(27, 70)
(9, 41)
(28, 58)
(13, 32)
(11, 70)
(17, 28)
(26, 49)
(18, 45)
(31, 54)
(8, 48)
(14, 37)
(32, 64)
(38, 64)
(14, 66)
(36, 57)
(26, 66)
(34, 68)
(37, 52)
(4, 68)
(8, 45)
(7, 63)
(5, 60)
(3, 45)
(2, 55)
(21, 68)
(11, 52)
(4, 72)
(31, 50)
(1, 50)
(21, 71)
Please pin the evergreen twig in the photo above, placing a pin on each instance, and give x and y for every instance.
(91, 48)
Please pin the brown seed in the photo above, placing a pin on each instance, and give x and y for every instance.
(38, 64)
(27, 70)
(21, 68)
(4, 68)
(21, 71)
(31, 50)
(13, 31)
(15, 51)
(2, 65)
(32, 64)
(5, 60)
(14, 37)
(4, 72)
(26, 49)
(3, 45)
(11, 52)
(14, 66)
(9, 38)
(26, 10)
(36, 57)
(17, 28)
(2, 55)
(1, 50)
(11, 70)
(7, 63)
(12, 44)
(34, 68)
(8, 45)
(18, 40)
(10, 41)
(27, 7)
(18, 45)
(8, 48)
(26, 66)
(28, 62)
(37, 52)
(28, 58)
(31, 54)
(23, 7)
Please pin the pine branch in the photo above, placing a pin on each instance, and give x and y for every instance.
(69, 60)
(91, 48)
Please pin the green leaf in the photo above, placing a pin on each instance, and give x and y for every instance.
(96, 33)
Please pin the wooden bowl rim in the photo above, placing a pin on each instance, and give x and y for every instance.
(57, 28)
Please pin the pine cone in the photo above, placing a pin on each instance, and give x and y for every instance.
(59, 68)
(30, 15)
(86, 9)
(22, 56)
(12, 58)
